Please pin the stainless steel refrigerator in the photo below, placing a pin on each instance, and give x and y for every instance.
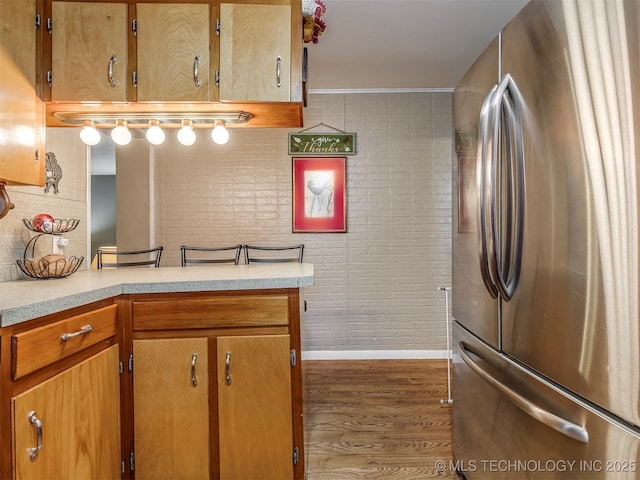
(546, 377)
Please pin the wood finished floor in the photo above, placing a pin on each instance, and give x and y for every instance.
(376, 419)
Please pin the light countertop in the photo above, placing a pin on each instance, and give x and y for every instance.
(23, 300)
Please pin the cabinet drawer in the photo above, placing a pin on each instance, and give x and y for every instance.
(211, 312)
(44, 345)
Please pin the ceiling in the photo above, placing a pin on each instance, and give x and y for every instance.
(402, 44)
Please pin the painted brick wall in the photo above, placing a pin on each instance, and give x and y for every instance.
(376, 285)
(71, 202)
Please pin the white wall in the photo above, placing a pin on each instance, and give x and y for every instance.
(375, 291)
(70, 203)
(133, 209)
(103, 211)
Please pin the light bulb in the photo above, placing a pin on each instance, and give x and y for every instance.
(219, 134)
(186, 135)
(89, 133)
(155, 135)
(121, 134)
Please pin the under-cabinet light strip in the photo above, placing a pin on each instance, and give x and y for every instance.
(142, 119)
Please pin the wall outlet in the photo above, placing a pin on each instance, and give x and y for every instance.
(58, 244)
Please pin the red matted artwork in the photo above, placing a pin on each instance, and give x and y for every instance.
(319, 194)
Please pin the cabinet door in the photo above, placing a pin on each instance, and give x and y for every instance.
(79, 411)
(173, 52)
(89, 52)
(255, 52)
(254, 407)
(171, 408)
(22, 114)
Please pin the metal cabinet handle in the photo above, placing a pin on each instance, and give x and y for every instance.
(194, 380)
(34, 420)
(113, 60)
(566, 427)
(278, 71)
(228, 368)
(86, 329)
(196, 80)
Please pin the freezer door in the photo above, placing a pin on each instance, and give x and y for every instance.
(473, 304)
(574, 314)
(508, 424)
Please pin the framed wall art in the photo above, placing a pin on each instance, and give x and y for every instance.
(319, 194)
(467, 206)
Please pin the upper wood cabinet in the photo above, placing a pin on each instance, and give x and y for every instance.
(255, 52)
(163, 56)
(22, 114)
(173, 52)
(89, 52)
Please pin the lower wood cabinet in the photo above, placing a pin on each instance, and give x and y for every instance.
(60, 396)
(171, 409)
(179, 386)
(174, 399)
(254, 407)
(69, 426)
(216, 386)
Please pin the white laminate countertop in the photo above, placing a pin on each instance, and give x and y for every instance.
(23, 300)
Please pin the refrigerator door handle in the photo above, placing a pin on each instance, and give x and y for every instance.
(507, 189)
(566, 427)
(494, 182)
(483, 181)
(513, 214)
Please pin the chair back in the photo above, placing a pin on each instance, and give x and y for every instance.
(255, 254)
(201, 255)
(109, 258)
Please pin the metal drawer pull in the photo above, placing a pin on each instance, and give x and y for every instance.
(278, 66)
(194, 380)
(228, 368)
(66, 336)
(113, 60)
(34, 420)
(196, 80)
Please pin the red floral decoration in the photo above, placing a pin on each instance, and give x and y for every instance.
(312, 10)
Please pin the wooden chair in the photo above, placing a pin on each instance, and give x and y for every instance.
(132, 258)
(211, 255)
(254, 254)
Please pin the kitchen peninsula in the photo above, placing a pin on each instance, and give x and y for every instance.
(217, 387)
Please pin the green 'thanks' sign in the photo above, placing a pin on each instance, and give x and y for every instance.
(322, 144)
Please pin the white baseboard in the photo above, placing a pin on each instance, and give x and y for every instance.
(375, 354)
